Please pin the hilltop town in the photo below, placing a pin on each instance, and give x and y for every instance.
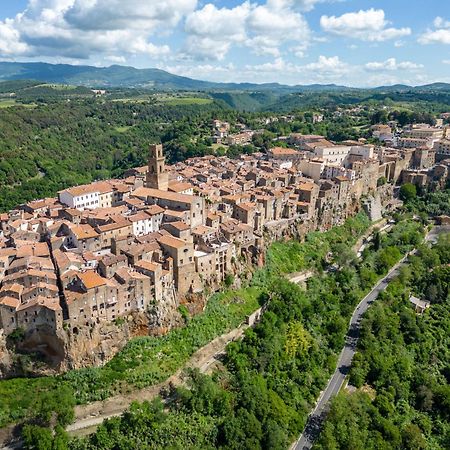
(163, 235)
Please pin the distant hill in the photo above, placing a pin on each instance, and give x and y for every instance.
(130, 77)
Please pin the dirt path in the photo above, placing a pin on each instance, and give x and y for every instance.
(87, 417)
(370, 231)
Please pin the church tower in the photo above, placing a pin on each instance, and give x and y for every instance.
(157, 176)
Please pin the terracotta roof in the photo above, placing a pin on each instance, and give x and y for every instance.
(203, 229)
(138, 217)
(84, 231)
(50, 287)
(8, 251)
(10, 301)
(49, 303)
(171, 241)
(280, 151)
(14, 287)
(152, 210)
(180, 186)
(91, 279)
(144, 192)
(173, 213)
(114, 226)
(306, 186)
(147, 265)
(101, 187)
(179, 225)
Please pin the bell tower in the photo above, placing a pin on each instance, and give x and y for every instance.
(157, 176)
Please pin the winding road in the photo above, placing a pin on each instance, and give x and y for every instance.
(316, 418)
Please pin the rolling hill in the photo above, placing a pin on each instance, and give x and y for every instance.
(130, 77)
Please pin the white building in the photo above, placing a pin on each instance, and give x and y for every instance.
(88, 196)
(148, 221)
(333, 155)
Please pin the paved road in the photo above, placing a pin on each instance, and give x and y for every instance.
(316, 418)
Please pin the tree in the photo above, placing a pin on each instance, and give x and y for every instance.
(37, 438)
(413, 438)
(298, 340)
(408, 192)
(228, 280)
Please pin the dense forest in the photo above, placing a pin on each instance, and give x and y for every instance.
(60, 144)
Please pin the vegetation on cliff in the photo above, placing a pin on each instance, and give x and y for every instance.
(144, 361)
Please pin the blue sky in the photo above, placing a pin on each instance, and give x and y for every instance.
(351, 42)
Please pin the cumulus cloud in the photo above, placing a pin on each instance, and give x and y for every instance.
(439, 22)
(85, 28)
(272, 24)
(392, 64)
(10, 42)
(212, 31)
(331, 66)
(325, 69)
(370, 25)
(440, 35)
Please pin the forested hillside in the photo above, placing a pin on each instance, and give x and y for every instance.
(402, 369)
(60, 144)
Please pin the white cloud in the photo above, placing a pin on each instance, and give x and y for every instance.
(446, 61)
(275, 23)
(89, 28)
(440, 35)
(119, 14)
(116, 59)
(10, 42)
(212, 31)
(392, 64)
(370, 25)
(435, 37)
(302, 5)
(211, 72)
(439, 22)
(331, 65)
(325, 69)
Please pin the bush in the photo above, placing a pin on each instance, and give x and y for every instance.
(408, 192)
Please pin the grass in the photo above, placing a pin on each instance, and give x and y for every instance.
(8, 103)
(174, 101)
(293, 256)
(123, 129)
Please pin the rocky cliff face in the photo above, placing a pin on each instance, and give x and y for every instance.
(41, 352)
(96, 344)
(6, 359)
